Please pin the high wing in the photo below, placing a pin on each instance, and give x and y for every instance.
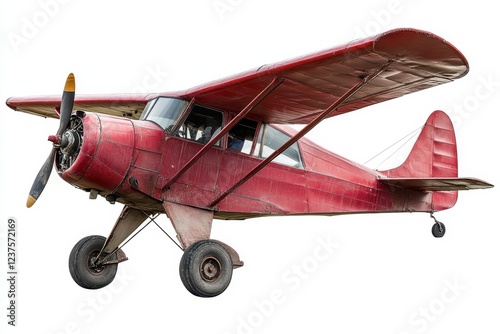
(404, 61)
(122, 105)
(411, 60)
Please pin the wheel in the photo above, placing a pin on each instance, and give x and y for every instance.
(438, 230)
(206, 268)
(82, 264)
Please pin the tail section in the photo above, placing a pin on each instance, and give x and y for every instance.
(432, 165)
(434, 153)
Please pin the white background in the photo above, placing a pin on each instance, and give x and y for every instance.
(384, 273)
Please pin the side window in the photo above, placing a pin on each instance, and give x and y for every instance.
(201, 124)
(271, 139)
(241, 137)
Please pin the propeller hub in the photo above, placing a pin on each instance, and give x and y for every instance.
(70, 142)
(55, 139)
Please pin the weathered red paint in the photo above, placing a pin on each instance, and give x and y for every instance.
(114, 150)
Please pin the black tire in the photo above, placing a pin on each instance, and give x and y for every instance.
(206, 268)
(438, 230)
(81, 267)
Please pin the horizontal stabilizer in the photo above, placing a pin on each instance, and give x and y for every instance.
(436, 183)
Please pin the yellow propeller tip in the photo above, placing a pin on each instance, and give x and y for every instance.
(31, 200)
(70, 83)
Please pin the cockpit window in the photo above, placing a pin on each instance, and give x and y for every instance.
(271, 139)
(241, 137)
(201, 125)
(164, 111)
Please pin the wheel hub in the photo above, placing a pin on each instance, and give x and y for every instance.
(94, 264)
(210, 269)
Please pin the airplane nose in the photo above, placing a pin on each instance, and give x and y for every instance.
(69, 144)
(96, 152)
(55, 139)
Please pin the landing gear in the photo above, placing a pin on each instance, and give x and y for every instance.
(438, 229)
(89, 269)
(206, 268)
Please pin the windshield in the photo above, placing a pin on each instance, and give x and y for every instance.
(164, 111)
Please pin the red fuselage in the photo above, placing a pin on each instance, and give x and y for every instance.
(133, 160)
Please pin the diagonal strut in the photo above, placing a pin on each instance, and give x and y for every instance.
(262, 95)
(302, 132)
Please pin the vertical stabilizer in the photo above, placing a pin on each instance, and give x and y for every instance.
(434, 155)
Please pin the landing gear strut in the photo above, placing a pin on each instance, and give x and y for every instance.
(438, 229)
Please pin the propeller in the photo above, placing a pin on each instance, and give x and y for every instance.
(58, 141)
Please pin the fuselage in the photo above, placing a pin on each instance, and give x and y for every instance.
(133, 161)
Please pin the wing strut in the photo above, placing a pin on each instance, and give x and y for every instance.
(262, 95)
(327, 112)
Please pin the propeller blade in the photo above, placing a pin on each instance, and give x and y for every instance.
(41, 179)
(67, 101)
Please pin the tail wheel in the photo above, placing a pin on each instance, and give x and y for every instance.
(85, 264)
(438, 230)
(206, 268)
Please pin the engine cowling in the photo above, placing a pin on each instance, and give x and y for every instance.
(105, 153)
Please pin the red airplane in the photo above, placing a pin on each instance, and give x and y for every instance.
(220, 150)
